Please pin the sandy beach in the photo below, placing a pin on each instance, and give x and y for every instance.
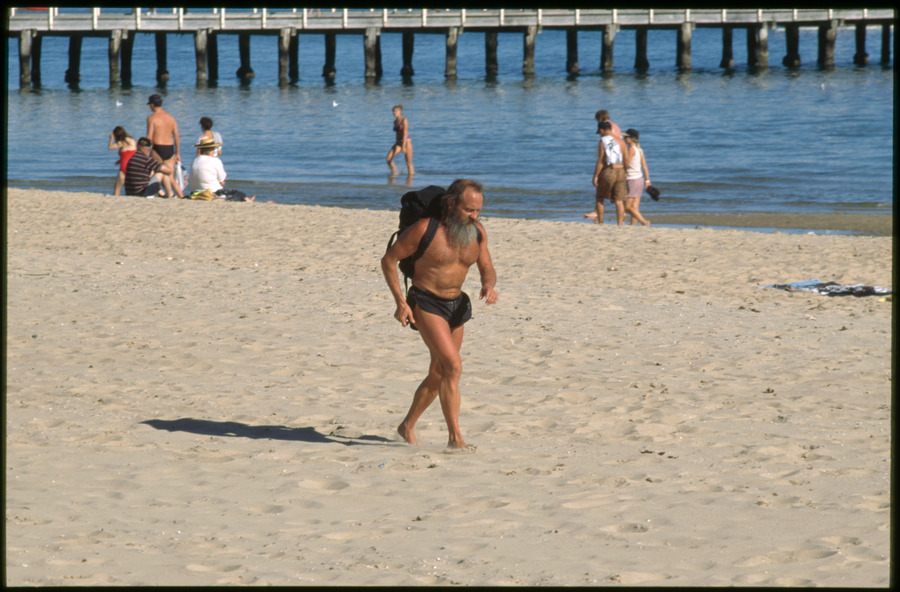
(207, 393)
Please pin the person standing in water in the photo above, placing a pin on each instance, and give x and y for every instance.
(402, 142)
(127, 146)
(162, 130)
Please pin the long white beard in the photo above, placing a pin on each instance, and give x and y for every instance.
(461, 232)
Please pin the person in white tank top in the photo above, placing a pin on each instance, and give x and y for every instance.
(637, 177)
(609, 173)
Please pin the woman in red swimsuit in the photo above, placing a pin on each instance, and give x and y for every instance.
(127, 146)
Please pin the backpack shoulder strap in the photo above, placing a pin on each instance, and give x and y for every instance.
(426, 239)
(433, 224)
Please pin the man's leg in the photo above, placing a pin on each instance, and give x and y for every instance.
(620, 211)
(620, 194)
(442, 380)
(165, 182)
(600, 210)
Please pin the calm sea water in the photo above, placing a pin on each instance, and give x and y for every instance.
(791, 141)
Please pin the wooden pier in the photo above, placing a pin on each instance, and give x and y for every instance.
(288, 24)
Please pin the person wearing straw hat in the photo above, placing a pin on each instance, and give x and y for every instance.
(207, 172)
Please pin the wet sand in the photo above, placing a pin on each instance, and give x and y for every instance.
(207, 393)
(873, 225)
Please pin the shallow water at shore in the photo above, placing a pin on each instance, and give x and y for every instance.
(785, 143)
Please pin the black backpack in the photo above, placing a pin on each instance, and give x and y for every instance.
(415, 205)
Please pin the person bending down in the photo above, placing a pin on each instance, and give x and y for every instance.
(144, 174)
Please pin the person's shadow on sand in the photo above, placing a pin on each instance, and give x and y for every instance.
(235, 429)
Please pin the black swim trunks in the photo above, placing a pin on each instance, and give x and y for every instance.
(455, 311)
(165, 152)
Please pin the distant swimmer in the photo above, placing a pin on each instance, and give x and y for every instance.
(162, 129)
(402, 142)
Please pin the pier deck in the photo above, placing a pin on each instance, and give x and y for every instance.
(30, 26)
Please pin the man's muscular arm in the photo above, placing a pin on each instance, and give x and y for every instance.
(486, 269)
(406, 245)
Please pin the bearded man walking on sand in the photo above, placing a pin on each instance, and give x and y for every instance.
(436, 305)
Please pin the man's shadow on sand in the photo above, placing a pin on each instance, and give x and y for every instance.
(233, 429)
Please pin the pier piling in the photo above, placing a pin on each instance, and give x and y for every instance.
(528, 42)
(162, 73)
(294, 57)
(572, 52)
(125, 52)
(284, 50)
(115, 48)
(201, 49)
(452, 42)
(212, 56)
(827, 36)
(328, 70)
(641, 62)
(245, 72)
(370, 42)
(606, 51)
(683, 47)
(861, 58)
(36, 42)
(885, 44)
(758, 46)
(727, 48)
(25, 46)
(409, 44)
(490, 54)
(73, 74)
(792, 40)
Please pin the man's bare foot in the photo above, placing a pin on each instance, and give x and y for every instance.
(250, 198)
(457, 444)
(408, 436)
(591, 215)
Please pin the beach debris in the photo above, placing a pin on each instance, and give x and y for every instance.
(831, 288)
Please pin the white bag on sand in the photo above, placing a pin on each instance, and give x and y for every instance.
(181, 177)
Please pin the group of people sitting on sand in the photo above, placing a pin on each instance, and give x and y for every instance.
(151, 165)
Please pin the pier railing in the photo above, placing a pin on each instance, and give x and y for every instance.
(264, 20)
(288, 24)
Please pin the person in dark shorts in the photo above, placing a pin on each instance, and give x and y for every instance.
(162, 130)
(609, 174)
(144, 174)
(436, 304)
(456, 311)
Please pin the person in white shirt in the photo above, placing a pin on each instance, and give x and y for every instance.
(637, 177)
(207, 172)
(206, 125)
